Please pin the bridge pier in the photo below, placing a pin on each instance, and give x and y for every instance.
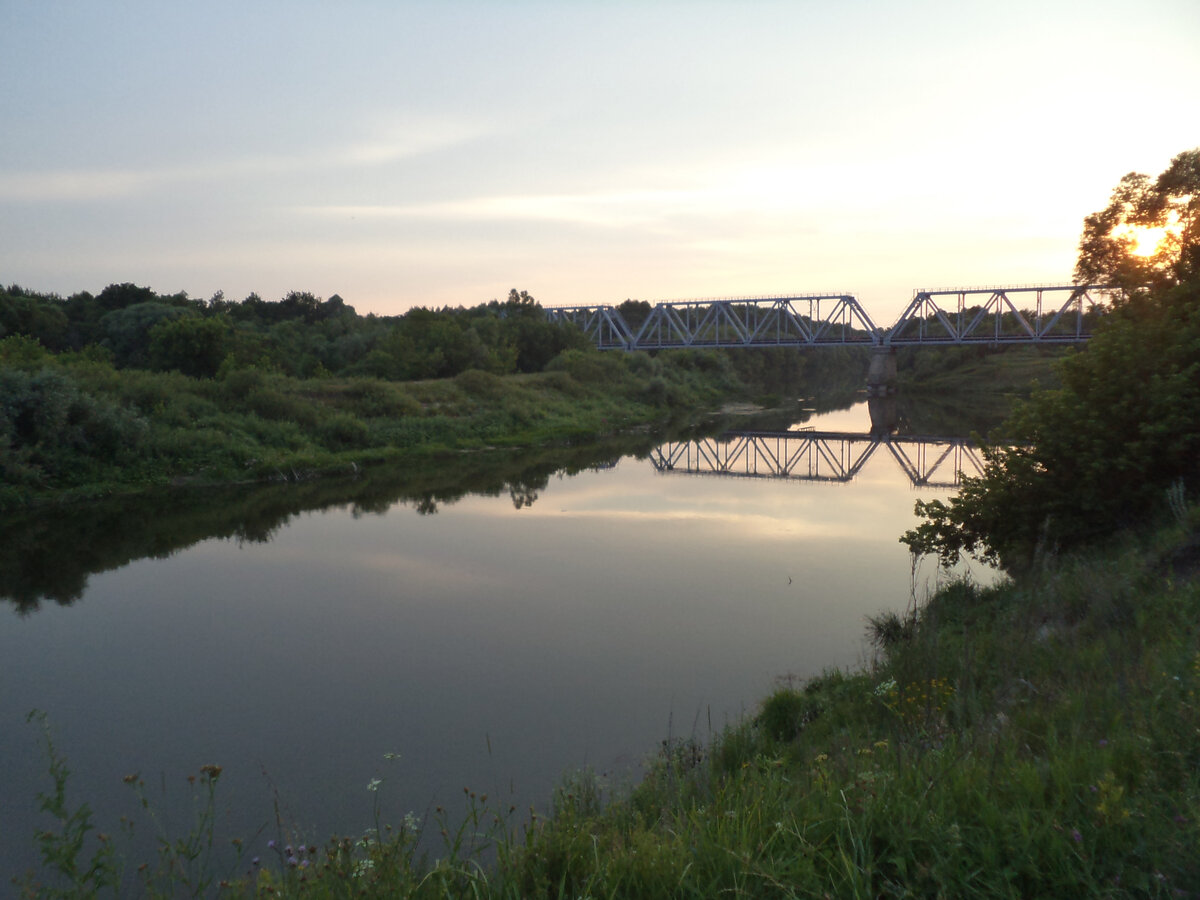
(881, 376)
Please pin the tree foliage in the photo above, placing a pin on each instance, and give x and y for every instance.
(1108, 251)
(300, 335)
(1097, 455)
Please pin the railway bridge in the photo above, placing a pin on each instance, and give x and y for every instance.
(995, 316)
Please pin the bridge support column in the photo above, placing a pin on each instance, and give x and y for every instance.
(881, 376)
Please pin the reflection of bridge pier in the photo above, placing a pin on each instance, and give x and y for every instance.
(928, 461)
(885, 415)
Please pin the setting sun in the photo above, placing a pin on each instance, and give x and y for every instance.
(1147, 240)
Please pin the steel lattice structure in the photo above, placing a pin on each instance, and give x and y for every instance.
(828, 456)
(997, 320)
(798, 321)
(1060, 314)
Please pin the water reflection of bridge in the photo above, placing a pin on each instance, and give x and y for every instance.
(830, 456)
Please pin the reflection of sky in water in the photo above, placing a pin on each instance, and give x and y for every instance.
(623, 605)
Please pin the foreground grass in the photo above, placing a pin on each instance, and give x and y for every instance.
(73, 426)
(1033, 739)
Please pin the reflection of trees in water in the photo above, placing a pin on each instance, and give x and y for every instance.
(49, 554)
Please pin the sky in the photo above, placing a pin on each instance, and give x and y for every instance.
(406, 154)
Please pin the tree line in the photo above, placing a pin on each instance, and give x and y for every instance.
(300, 335)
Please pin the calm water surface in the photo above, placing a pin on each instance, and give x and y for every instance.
(494, 645)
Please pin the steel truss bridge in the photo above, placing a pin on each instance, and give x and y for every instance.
(1035, 314)
(828, 456)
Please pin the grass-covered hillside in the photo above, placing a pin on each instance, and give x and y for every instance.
(73, 424)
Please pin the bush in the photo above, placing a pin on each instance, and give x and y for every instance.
(477, 383)
(47, 423)
(343, 432)
(589, 366)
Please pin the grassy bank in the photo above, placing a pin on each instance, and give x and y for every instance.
(1037, 738)
(73, 425)
(1033, 739)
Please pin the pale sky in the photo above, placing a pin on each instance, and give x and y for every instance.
(431, 153)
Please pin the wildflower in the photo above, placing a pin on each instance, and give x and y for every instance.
(270, 845)
(1103, 742)
(821, 758)
(254, 861)
(374, 783)
(213, 772)
(1076, 836)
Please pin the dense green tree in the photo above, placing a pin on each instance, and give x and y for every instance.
(126, 331)
(189, 344)
(30, 315)
(1099, 453)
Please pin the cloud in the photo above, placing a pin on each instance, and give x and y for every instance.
(390, 143)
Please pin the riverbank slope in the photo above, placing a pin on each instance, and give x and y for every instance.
(1037, 738)
(74, 426)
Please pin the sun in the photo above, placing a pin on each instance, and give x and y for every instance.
(1147, 240)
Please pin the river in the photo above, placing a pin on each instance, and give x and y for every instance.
(494, 627)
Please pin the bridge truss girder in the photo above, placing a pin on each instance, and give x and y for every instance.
(815, 320)
(796, 321)
(602, 323)
(757, 322)
(833, 457)
(927, 320)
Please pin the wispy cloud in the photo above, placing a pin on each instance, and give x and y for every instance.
(387, 144)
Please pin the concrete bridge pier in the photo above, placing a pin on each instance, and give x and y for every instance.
(881, 376)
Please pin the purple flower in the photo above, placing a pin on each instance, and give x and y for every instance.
(270, 845)
(255, 860)
(1076, 836)
(1103, 742)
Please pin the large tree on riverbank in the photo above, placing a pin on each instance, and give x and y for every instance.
(1120, 440)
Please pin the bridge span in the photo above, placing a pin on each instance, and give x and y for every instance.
(1033, 314)
(825, 456)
